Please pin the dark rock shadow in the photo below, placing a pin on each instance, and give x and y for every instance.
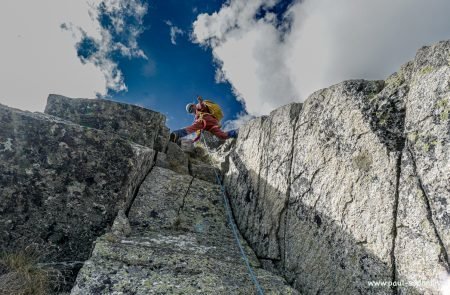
(316, 255)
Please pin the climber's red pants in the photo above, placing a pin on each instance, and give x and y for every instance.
(210, 124)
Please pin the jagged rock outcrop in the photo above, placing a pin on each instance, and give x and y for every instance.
(139, 125)
(62, 184)
(352, 186)
(174, 159)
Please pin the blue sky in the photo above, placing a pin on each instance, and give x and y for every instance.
(251, 56)
(174, 73)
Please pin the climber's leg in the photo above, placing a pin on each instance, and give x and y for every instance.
(177, 134)
(197, 125)
(212, 125)
(233, 133)
(218, 132)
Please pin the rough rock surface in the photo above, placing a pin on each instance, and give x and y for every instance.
(142, 126)
(204, 172)
(121, 225)
(174, 159)
(177, 159)
(62, 184)
(180, 244)
(423, 223)
(353, 185)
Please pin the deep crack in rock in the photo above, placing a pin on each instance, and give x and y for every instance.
(444, 258)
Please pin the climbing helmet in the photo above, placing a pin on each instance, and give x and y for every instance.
(190, 107)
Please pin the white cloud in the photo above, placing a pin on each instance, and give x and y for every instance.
(269, 65)
(38, 54)
(174, 31)
(237, 123)
(122, 23)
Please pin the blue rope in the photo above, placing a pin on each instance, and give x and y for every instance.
(253, 277)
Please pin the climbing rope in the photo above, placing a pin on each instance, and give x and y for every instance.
(253, 277)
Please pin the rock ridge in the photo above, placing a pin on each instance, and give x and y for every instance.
(362, 167)
(137, 213)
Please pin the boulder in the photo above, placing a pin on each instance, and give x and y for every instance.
(177, 159)
(161, 160)
(137, 124)
(204, 171)
(62, 184)
(174, 159)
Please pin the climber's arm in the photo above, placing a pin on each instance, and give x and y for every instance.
(201, 105)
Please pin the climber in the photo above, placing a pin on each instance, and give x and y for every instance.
(207, 117)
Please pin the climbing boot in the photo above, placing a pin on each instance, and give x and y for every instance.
(173, 137)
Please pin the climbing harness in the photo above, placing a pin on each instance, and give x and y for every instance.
(199, 132)
(253, 277)
(200, 119)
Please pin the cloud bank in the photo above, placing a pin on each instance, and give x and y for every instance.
(67, 47)
(120, 24)
(274, 53)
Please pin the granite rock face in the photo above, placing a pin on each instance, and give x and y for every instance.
(174, 159)
(204, 172)
(423, 223)
(180, 244)
(352, 187)
(62, 184)
(142, 126)
(177, 159)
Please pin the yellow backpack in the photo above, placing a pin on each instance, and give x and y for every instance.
(214, 109)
